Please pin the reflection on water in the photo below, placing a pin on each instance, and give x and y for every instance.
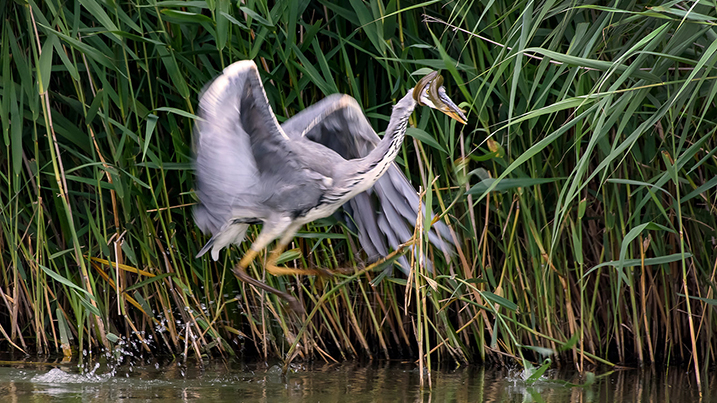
(377, 382)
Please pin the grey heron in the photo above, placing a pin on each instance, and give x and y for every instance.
(252, 170)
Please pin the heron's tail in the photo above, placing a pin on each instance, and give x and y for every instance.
(233, 233)
(206, 248)
(385, 216)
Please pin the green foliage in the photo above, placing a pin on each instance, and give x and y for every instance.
(582, 191)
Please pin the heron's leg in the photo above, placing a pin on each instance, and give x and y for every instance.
(272, 268)
(242, 275)
(240, 271)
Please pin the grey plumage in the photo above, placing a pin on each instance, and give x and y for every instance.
(251, 170)
(385, 214)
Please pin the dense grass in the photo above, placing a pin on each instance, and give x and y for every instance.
(582, 189)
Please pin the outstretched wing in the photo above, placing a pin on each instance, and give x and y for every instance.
(237, 140)
(384, 215)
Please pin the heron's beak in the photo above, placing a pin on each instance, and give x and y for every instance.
(443, 103)
(437, 95)
(447, 106)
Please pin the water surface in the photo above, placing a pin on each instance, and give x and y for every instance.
(219, 381)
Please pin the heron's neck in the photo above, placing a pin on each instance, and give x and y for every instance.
(377, 162)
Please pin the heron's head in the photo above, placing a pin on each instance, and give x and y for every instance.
(430, 92)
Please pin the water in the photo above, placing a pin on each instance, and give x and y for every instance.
(218, 382)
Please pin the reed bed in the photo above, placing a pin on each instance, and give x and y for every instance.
(581, 192)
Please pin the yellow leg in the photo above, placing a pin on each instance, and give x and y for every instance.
(248, 258)
(272, 268)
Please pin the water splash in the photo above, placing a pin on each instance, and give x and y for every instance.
(58, 376)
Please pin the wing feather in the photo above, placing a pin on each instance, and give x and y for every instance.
(386, 213)
(236, 125)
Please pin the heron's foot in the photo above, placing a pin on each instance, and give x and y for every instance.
(344, 271)
(325, 273)
(285, 271)
(294, 304)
